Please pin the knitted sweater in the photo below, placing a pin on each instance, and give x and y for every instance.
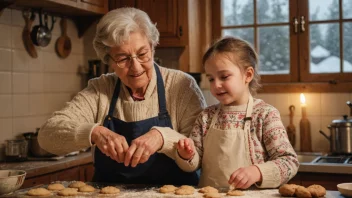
(70, 129)
(270, 149)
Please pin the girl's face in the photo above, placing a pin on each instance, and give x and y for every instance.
(228, 83)
(134, 74)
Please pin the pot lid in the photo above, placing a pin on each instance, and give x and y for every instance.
(342, 122)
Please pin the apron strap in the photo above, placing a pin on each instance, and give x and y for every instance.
(213, 120)
(248, 119)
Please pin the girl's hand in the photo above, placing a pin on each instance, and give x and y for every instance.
(111, 144)
(245, 177)
(186, 148)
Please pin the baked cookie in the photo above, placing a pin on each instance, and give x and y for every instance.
(55, 187)
(187, 187)
(68, 192)
(212, 195)
(77, 184)
(208, 189)
(86, 188)
(167, 189)
(288, 190)
(235, 193)
(302, 192)
(184, 191)
(317, 190)
(109, 190)
(38, 192)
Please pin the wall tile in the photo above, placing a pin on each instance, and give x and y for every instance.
(19, 60)
(16, 37)
(334, 104)
(17, 18)
(6, 129)
(5, 106)
(5, 35)
(35, 64)
(279, 101)
(20, 105)
(20, 82)
(25, 126)
(36, 82)
(51, 62)
(5, 17)
(5, 82)
(6, 59)
(37, 104)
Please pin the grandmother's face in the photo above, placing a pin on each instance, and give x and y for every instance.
(132, 61)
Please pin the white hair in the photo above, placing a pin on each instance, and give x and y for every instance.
(115, 27)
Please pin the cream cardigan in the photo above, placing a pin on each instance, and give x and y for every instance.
(70, 129)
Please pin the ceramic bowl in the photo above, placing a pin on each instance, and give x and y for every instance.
(345, 189)
(11, 180)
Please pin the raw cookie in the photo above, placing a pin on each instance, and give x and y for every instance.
(38, 192)
(110, 190)
(86, 188)
(302, 192)
(68, 192)
(212, 195)
(167, 189)
(235, 193)
(184, 191)
(187, 187)
(77, 184)
(317, 190)
(288, 190)
(208, 189)
(55, 187)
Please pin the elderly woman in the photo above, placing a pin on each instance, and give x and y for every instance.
(134, 116)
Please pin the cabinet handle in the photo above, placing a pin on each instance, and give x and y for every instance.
(295, 24)
(180, 31)
(303, 22)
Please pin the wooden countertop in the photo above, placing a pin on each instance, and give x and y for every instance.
(35, 168)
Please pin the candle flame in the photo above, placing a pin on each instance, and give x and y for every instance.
(303, 99)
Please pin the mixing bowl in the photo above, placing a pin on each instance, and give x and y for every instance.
(11, 180)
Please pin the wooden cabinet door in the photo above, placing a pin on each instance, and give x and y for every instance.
(97, 6)
(72, 174)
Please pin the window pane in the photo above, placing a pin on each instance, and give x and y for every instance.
(347, 9)
(347, 47)
(237, 12)
(323, 10)
(272, 11)
(324, 48)
(243, 33)
(274, 50)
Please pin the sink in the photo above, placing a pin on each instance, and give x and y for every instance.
(307, 158)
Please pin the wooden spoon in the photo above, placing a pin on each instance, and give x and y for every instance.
(291, 130)
(63, 43)
(26, 34)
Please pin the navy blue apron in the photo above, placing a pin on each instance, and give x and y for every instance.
(159, 169)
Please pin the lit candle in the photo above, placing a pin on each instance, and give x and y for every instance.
(304, 125)
(303, 105)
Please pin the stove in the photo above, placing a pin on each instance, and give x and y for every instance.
(334, 159)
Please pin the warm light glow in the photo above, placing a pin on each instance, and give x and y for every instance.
(303, 99)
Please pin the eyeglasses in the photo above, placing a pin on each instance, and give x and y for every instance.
(125, 60)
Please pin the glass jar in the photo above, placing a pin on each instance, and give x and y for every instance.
(16, 150)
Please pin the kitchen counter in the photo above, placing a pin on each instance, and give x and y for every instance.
(326, 168)
(35, 168)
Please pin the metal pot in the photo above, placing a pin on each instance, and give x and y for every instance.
(340, 136)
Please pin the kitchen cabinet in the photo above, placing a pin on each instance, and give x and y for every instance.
(78, 173)
(181, 23)
(82, 12)
(328, 180)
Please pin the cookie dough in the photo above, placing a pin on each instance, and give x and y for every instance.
(208, 189)
(86, 188)
(301, 191)
(38, 192)
(110, 190)
(288, 190)
(55, 187)
(184, 191)
(167, 189)
(68, 192)
(187, 187)
(235, 193)
(212, 195)
(77, 184)
(317, 190)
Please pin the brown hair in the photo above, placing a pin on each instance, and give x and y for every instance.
(241, 51)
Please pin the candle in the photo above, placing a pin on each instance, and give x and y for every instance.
(304, 125)
(303, 105)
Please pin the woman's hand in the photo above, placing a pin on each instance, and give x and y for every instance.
(143, 147)
(244, 177)
(111, 144)
(186, 148)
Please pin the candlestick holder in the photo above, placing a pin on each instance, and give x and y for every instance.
(305, 134)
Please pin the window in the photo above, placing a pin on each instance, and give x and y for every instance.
(302, 44)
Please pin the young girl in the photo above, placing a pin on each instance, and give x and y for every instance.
(241, 141)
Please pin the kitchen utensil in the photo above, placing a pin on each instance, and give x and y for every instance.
(26, 34)
(63, 43)
(16, 150)
(291, 129)
(345, 189)
(11, 180)
(41, 34)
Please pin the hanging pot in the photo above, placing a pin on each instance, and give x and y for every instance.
(41, 35)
